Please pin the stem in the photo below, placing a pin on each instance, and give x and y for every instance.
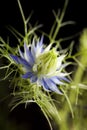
(59, 20)
(73, 96)
(23, 17)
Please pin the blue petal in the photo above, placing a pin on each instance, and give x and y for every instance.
(24, 63)
(65, 79)
(33, 78)
(21, 61)
(52, 86)
(27, 54)
(15, 58)
(40, 43)
(43, 83)
(39, 46)
(27, 75)
(31, 58)
(57, 80)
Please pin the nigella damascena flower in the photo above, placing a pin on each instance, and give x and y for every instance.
(42, 65)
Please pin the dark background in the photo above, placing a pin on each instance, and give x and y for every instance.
(10, 14)
(32, 118)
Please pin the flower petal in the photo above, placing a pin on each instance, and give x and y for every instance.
(39, 47)
(60, 59)
(27, 75)
(27, 55)
(20, 52)
(15, 58)
(33, 49)
(52, 86)
(41, 42)
(56, 80)
(24, 63)
(62, 66)
(65, 79)
(33, 78)
(60, 75)
(43, 83)
(47, 48)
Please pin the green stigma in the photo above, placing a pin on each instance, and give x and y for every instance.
(46, 63)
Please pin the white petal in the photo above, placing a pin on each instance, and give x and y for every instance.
(33, 49)
(62, 74)
(47, 48)
(26, 52)
(21, 53)
(60, 59)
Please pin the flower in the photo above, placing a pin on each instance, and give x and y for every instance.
(42, 65)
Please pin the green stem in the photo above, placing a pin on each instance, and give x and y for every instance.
(73, 96)
(59, 20)
(23, 17)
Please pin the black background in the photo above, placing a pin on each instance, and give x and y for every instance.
(32, 117)
(10, 14)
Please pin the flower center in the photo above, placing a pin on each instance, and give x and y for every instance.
(46, 63)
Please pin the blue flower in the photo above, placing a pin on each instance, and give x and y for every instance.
(42, 65)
